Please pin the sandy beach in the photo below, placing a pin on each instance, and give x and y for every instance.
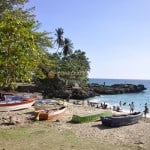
(136, 135)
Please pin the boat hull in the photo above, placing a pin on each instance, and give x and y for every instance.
(16, 104)
(89, 117)
(122, 120)
(49, 115)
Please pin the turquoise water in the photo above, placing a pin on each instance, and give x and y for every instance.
(139, 99)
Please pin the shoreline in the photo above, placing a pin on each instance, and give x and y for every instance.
(123, 111)
(124, 135)
(114, 100)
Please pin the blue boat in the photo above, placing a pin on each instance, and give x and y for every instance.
(122, 120)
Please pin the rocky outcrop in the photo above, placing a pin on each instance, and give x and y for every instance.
(96, 90)
(117, 88)
(84, 92)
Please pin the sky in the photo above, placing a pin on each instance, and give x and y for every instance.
(115, 34)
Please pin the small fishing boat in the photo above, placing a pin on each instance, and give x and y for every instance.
(45, 101)
(122, 120)
(49, 114)
(17, 104)
(10, 96)
(89, 117)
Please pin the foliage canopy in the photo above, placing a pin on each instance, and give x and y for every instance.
(24, 51)
(20, 46)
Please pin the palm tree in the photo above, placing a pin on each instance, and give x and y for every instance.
(68, 46)
(59, 35)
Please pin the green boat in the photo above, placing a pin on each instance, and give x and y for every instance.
(89, 117)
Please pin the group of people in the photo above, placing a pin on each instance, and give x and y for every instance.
(146, 109)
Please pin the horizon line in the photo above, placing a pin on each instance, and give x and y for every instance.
(116, 78)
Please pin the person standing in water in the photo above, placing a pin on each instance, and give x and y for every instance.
(131, 107)
(120, 103)
(146, 110)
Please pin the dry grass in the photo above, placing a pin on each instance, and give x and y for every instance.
(49, 136)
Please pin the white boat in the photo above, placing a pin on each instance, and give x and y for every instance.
(49, 114)
(9, 105)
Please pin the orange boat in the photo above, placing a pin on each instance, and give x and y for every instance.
(49, 114)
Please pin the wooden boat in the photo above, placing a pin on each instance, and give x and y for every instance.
(10, 96)
(122, 120)
(49, 114)
(89, 117)
(45, 101)
(8, 105)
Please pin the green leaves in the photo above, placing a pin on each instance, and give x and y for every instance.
(70, 66)
(64, 43)
(68, 47)
(24, 50)
(20, 51)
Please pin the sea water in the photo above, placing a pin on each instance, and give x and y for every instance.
(139, 99)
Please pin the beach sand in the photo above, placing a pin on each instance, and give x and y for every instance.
(137, 135)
